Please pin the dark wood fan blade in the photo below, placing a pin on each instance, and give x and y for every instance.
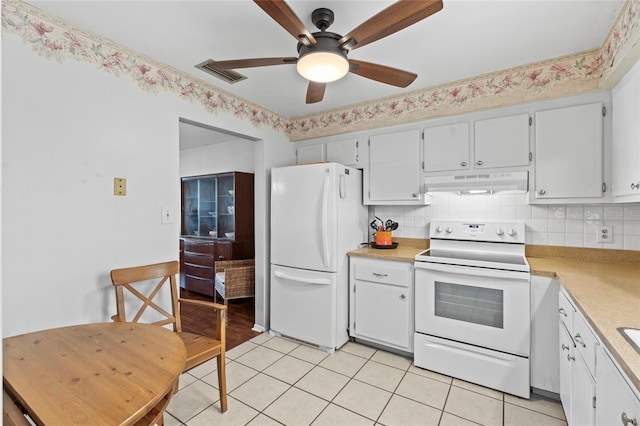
(283, 15)
(396, 17)
(382, 73)
(315, 92)
(250, 63)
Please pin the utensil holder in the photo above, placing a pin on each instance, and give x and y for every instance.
(383, 238)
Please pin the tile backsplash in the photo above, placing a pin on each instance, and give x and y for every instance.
(572, 225)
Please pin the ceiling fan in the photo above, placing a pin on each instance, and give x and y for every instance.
(323, 54)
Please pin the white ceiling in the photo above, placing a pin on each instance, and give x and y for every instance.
(465, 39)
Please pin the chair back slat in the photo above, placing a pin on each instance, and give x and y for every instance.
(128, 278)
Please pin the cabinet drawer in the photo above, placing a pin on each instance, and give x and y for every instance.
(198, 247)
(198, 271)
(382, 273)
(222, 251)
(566, 311)
(198, 259)
(586, 342)
(199, 285)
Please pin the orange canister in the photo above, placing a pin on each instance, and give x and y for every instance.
(383, 238)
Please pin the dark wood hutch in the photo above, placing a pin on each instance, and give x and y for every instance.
(217, 224)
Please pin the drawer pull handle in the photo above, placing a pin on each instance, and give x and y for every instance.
(565, 347)
(626, 420)
(562, 312)
(570, 358)
(578, 338)
(379, 275)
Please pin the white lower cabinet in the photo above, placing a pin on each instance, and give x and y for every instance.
(616, 403)
(565, 353)
(577, 367)
(583, 394)
(381, 302)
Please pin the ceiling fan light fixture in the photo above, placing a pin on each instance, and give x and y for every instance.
(323, 66)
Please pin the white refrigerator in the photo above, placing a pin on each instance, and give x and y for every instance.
(317, 216)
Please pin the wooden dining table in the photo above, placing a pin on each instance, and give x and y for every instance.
(93, 374)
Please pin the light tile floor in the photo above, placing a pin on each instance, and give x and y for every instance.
(273, 381)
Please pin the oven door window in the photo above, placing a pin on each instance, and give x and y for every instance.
(477, 305)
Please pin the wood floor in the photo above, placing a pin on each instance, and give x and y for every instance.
(240, 318)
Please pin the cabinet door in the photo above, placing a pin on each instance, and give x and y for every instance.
(310, 154)
(446, 147)
(569, 152)
(382, 313)
(583, 393)
(502, 142)
(614, 397)
(565, 354)
(626, 134)
(343, 152)
(394, 172)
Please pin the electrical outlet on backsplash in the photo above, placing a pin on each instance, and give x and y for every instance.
(559, 225)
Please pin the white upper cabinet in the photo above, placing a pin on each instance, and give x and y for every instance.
(343, 151)
(502, 142)
(569, 153)
(394, 173)
(446, 147)
(495, 143)
(310, 154)
(626, 137)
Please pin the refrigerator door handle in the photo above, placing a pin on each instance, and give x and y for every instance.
(343, 187)
(325, 220)
(319, 281)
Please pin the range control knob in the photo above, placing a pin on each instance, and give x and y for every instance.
(499, 231)
(512, 232)
(439, 229)
(449, 229)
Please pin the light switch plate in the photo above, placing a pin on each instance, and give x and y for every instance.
(604, 234)
(167, 215)
(119, 186)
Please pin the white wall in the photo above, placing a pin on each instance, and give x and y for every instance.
(232, 156)
(68, 130)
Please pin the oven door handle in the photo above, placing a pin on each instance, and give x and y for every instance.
(472, 271)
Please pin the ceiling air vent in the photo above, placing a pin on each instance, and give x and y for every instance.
(229, 76)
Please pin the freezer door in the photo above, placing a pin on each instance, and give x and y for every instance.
(304, 215)
(303, 305)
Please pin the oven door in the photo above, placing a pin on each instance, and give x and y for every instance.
(478, 306)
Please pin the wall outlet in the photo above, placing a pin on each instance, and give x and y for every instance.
(604, 234)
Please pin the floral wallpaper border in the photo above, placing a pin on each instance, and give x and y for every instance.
(56, 39)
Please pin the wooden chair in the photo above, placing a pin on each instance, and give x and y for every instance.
(199, 348)
(12, 413)
(235, 279)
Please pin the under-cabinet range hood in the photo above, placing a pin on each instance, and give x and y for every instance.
(479, 183)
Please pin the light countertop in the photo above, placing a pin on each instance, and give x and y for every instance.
(608, 296)
(604, 285)
(405, 251)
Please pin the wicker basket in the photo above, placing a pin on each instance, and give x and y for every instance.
(238, 280)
